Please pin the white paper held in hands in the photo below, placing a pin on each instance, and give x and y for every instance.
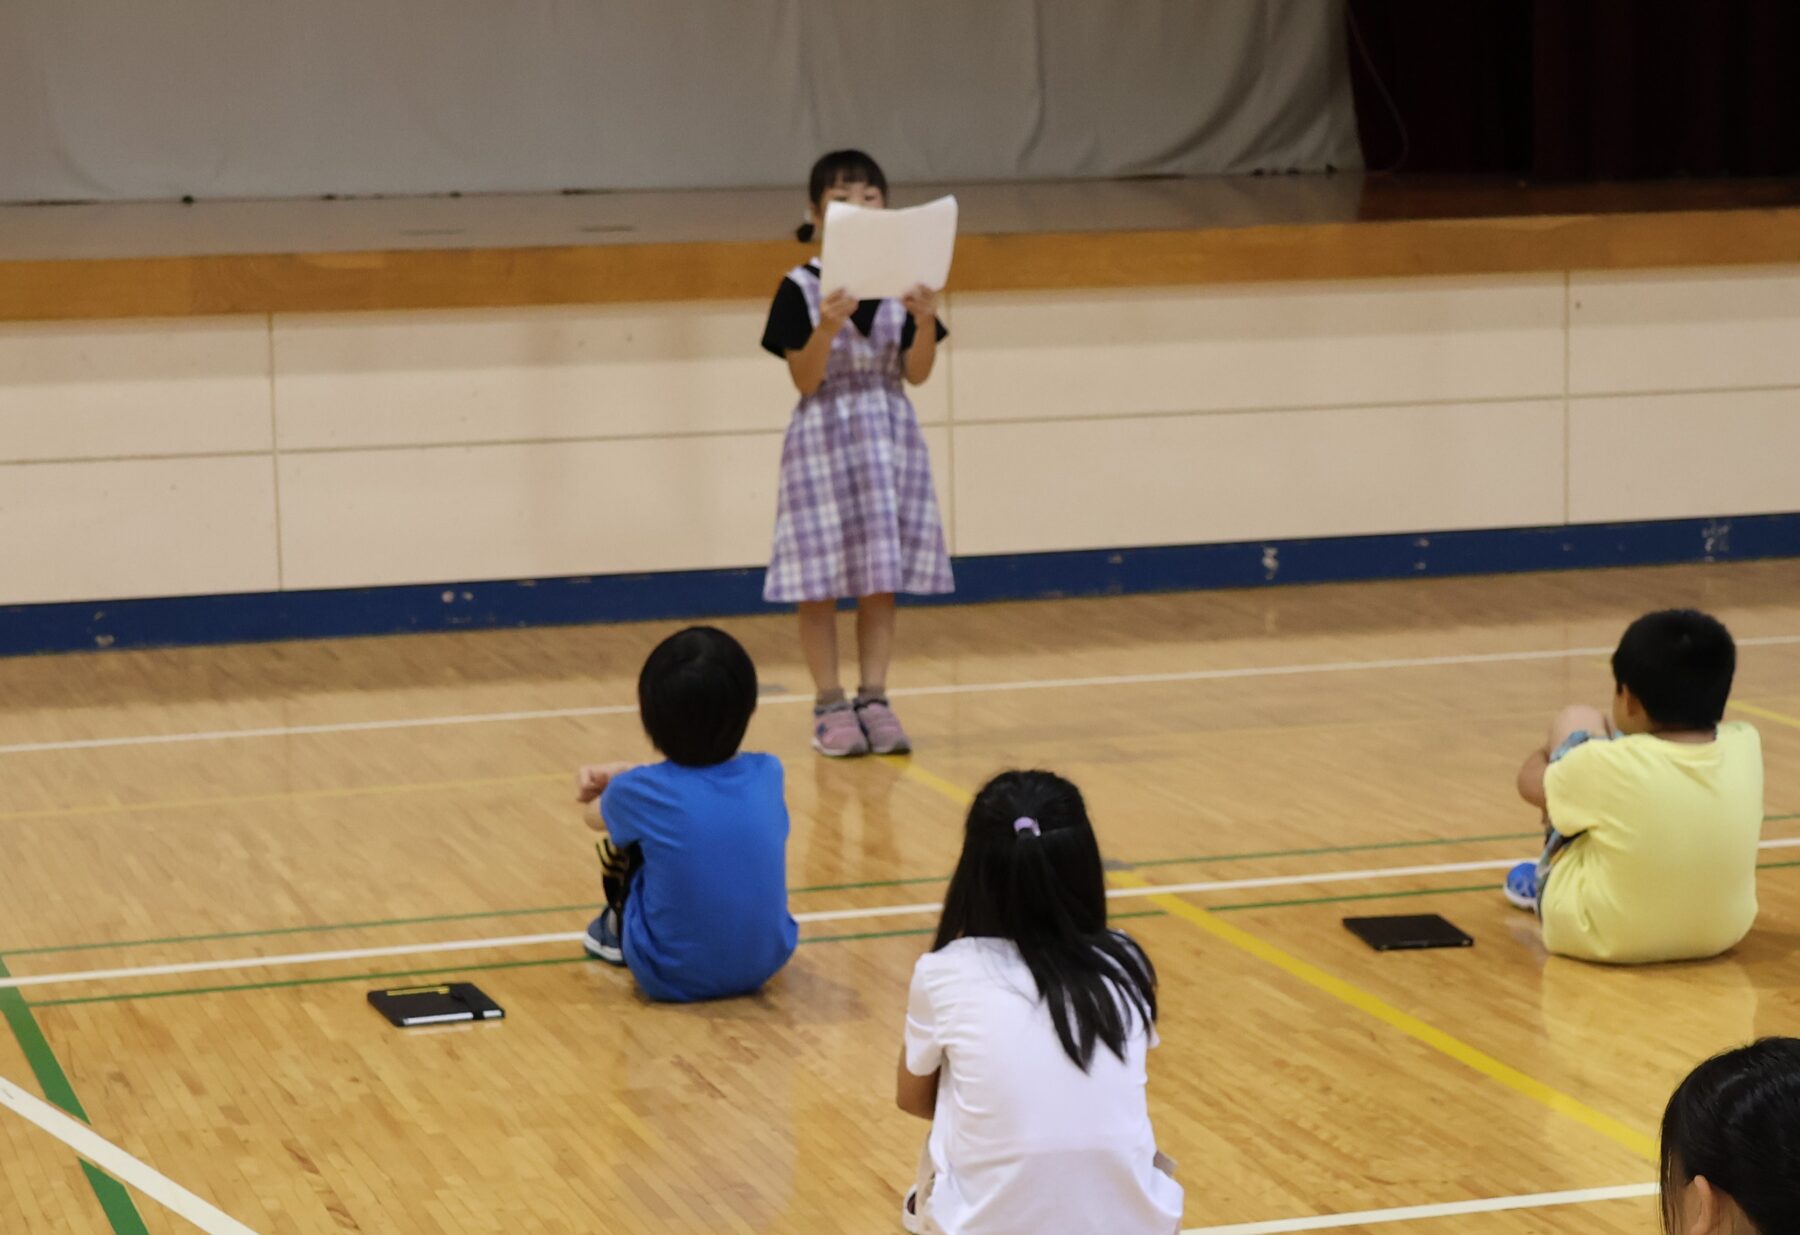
(884, 254)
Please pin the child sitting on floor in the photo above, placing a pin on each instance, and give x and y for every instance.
(1653, 818)
(695, 855)
(1027, 1028)
(1731, 1144)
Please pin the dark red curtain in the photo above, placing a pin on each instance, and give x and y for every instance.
(1442, 85)
(1579, 89)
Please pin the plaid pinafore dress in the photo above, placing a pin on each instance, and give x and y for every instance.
(857, 513)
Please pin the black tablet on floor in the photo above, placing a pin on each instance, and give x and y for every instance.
(411, 1006)
(1408, 932)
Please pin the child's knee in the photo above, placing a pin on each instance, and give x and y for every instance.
(1577, 718)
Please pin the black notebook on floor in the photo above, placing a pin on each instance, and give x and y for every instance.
(412, 1006)
(1408, 932)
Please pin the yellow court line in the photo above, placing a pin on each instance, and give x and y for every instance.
(1363, 1001)
(263, 799)
(1406, 1023)
(1780, 718)
(931, 780)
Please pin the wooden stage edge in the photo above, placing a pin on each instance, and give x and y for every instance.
(327, 282)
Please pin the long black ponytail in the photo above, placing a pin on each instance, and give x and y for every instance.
(1736, 1120)
(1030, 872)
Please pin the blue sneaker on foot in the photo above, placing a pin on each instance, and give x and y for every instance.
(602, 940)
(1522, 886)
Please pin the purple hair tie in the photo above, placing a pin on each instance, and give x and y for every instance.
(1022, 825)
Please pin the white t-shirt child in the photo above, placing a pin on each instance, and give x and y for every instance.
(1023, 1139)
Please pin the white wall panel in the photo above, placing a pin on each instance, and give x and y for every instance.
(162, 527)
(424, 447)
(525, 511)
(1255, 475)
(364, 518)
(1671, 330)
(519, 375)
(84, 390)
(1684, 455)
(498, 375)
(1107, 353)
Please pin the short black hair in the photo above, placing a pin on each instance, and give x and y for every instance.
(1679, 663)
(696, 696)
(843, 167)
(1736, 1120)
(839, 167)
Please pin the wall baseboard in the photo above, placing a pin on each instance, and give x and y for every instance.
(339, 613)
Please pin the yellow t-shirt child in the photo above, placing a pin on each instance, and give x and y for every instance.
(1661, 864)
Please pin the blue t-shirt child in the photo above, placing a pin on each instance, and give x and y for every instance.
(707, 915)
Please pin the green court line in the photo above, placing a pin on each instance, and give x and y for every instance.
(429, 919)
(588, 906)
(873, 883)
(1353, 896)
(121, 1211)
(337, 979)
(1385, 896)
(115, 1201)
(8, 994)
(286, 983)
(375, 923)
(1536, 835)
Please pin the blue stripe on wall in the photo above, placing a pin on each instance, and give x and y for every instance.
(264, 616)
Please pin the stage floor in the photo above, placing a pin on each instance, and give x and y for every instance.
(101, 231)
(167, 260)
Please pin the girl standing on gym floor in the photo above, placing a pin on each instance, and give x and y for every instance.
(858, 514)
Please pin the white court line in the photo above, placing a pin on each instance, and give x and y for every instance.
(295, 958)
(824, 915)
(178, 1200)
(1416, 1213)
(914, 692)
(119, 1164)
(359, 726)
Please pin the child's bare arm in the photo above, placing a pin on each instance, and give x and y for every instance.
(922, 304)
(807, 366)
(591, 781)
(916, 1095)
(1531, 778)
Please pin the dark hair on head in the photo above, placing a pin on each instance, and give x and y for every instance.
(1736, 1120)
(1030, 872)
(839, 167)
(696, 695)
(1679, 663)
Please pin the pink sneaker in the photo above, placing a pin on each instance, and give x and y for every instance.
(882, 727)
(836, 733)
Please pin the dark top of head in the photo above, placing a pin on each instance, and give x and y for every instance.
(1679, 663)
(843, 167)
(1030, 872)
(696, 696)
(1736, 1120)
(833, 169)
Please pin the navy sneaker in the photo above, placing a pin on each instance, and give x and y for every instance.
(602, 939)
(1522, 886)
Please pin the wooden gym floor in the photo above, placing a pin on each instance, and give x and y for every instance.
(182, 833)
